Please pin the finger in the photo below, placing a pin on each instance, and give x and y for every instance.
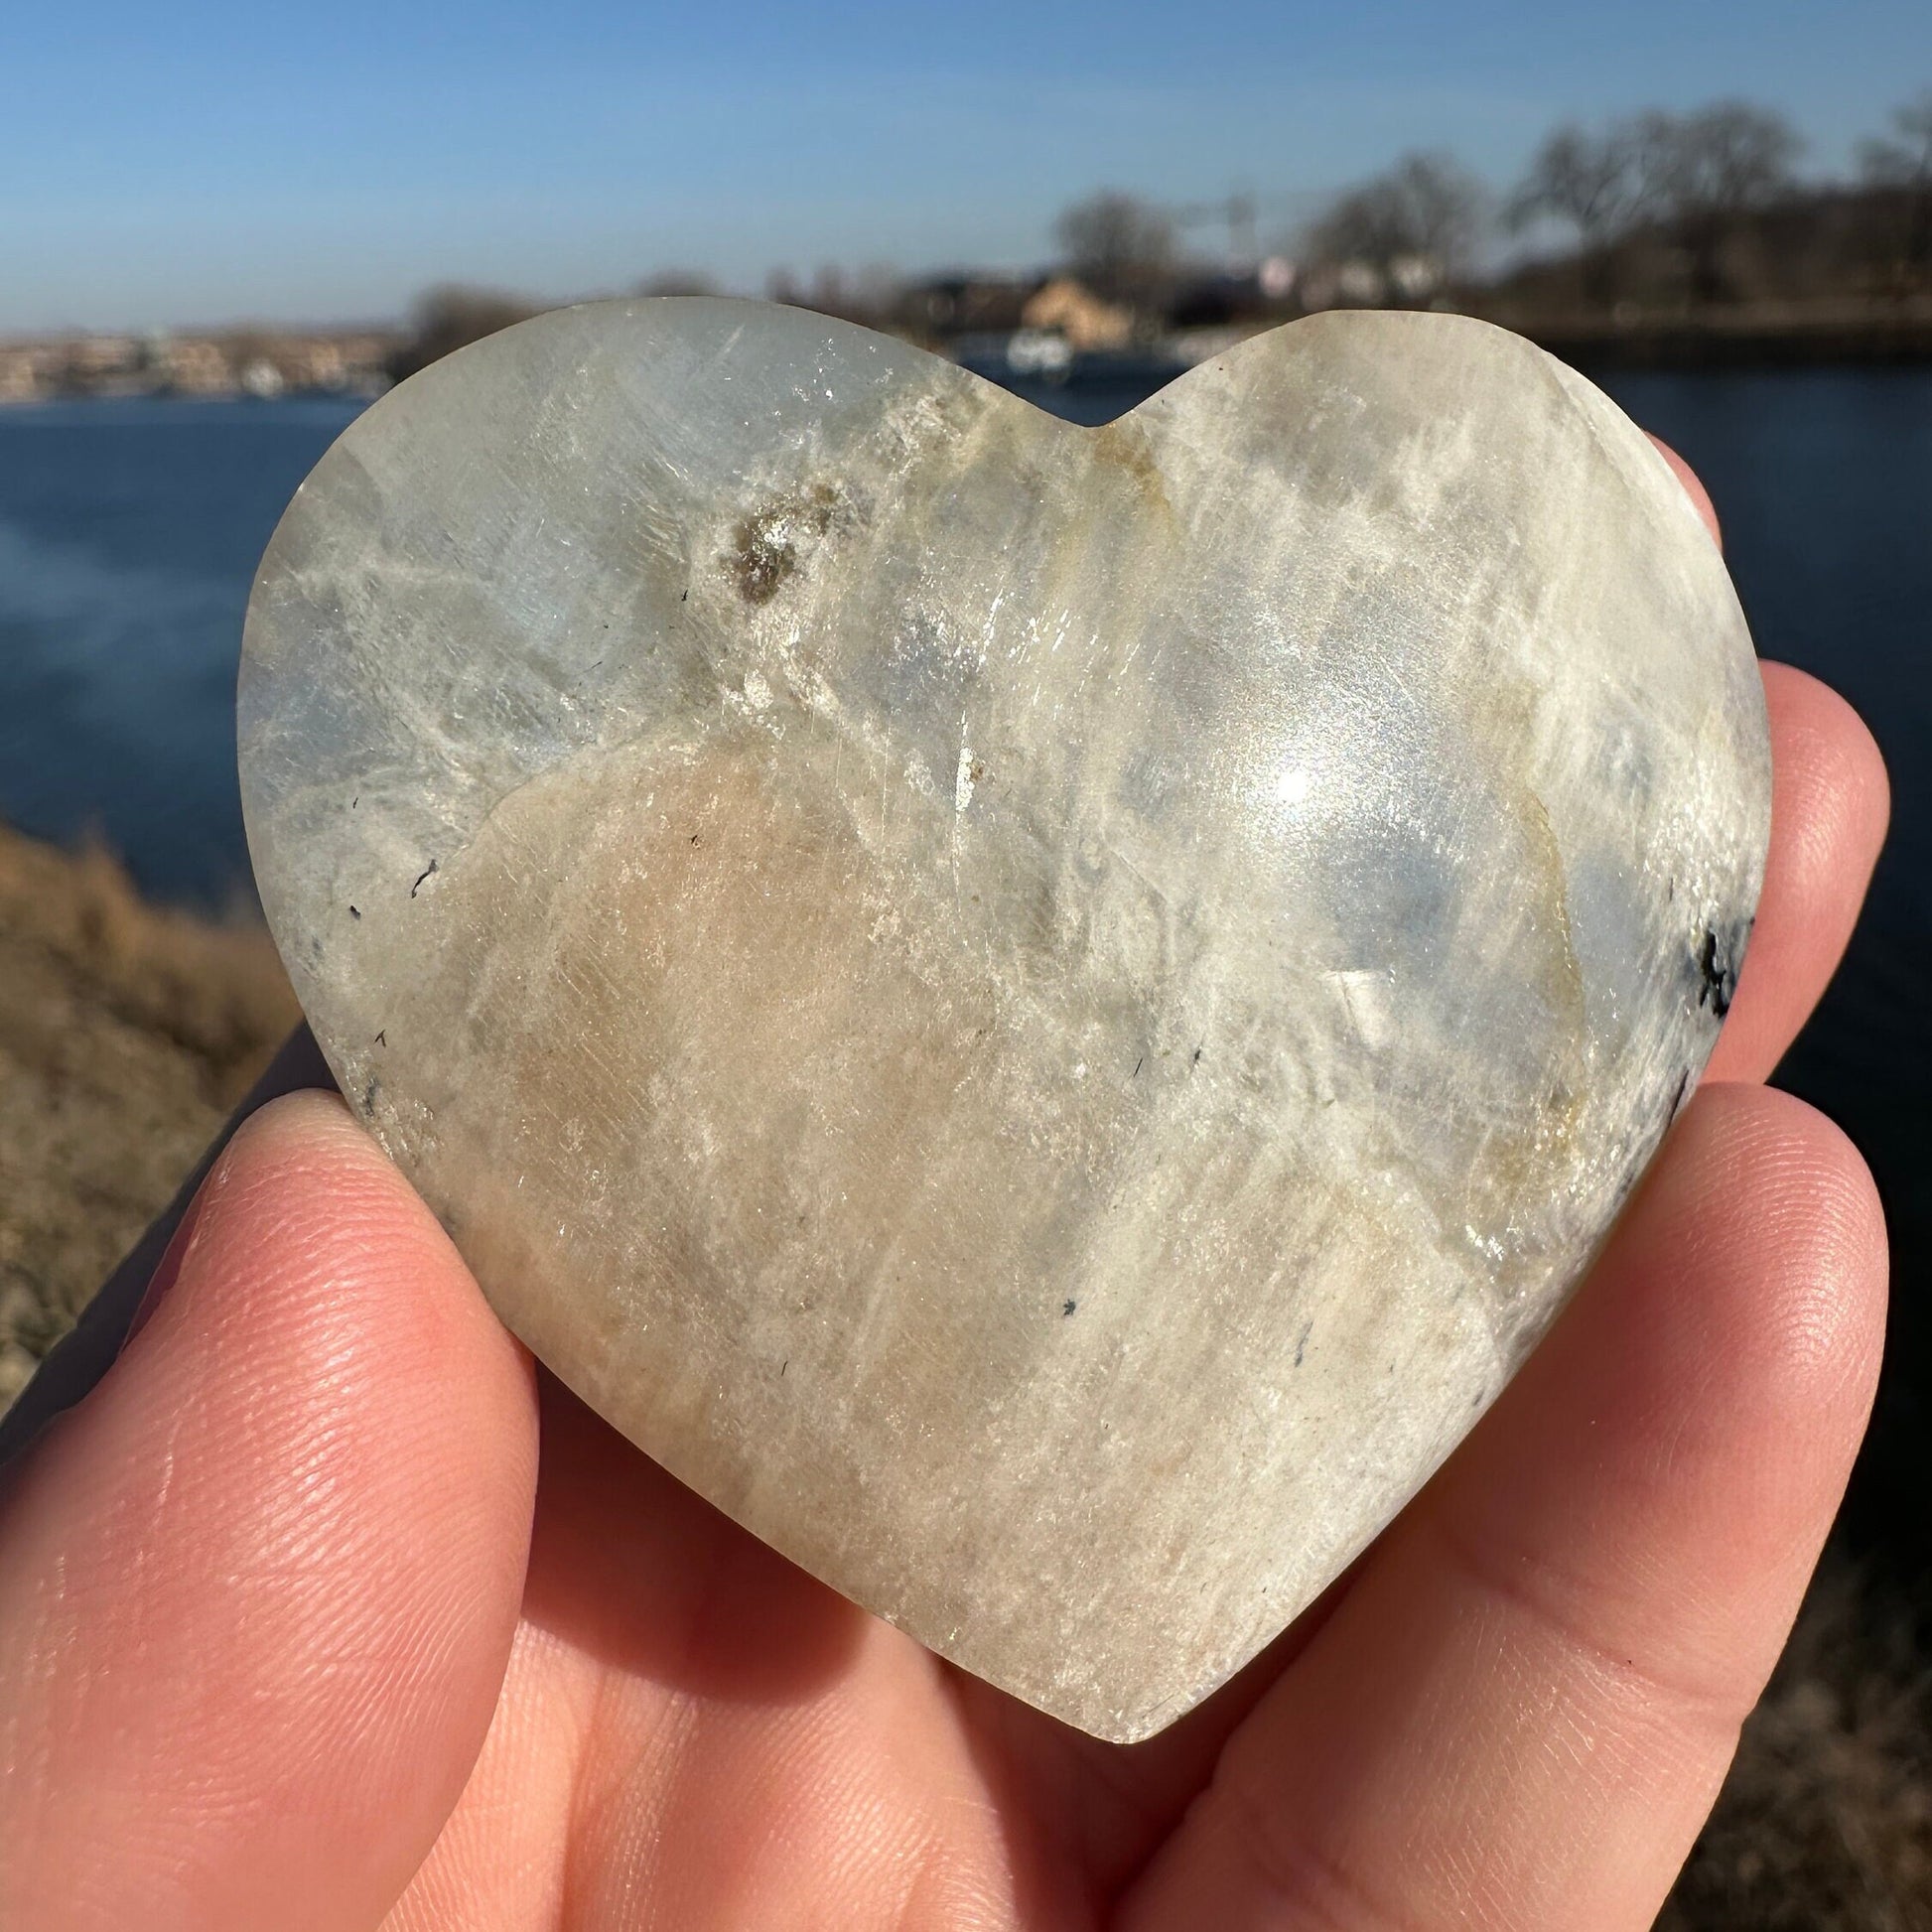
(1520, 1715)
(691, 1719)
(1694, 488)
(1829, 812)
(257, 1592)
(78, 1361)
(1830, 805)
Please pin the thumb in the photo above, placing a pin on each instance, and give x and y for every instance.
(257, 1591)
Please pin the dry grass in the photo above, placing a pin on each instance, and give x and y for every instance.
(127, 1032)
(1825, 1824)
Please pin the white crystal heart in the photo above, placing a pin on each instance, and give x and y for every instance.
(1041, 1014)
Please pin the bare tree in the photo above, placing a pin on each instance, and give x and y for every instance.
(451, 316)
(1730, 157)
(1905, 158)
(1417, 226)
(1596, 183)
(1708, 169)
(1903, 161)
(678, 281)
(876, 290)
(1122, 247)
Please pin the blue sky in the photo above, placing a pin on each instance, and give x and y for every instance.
(204, 162)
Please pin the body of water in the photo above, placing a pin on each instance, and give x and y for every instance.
(129, 534)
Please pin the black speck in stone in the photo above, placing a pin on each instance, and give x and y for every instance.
(1714, 960)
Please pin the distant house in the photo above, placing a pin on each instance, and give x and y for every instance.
(26, 372)
(1076, 312)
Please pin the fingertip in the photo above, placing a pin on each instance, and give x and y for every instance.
(312, 1126)
(1835, 753)
(1831, 804)
(1694, 488)
(1613, 1555)
(289, 1532)
(303, 1194)
(1762, 1178)
(1700, 1405)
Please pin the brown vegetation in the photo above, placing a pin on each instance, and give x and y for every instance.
(1415, 228)
(126, 1033)
(1120, 248)
(1825, 1824)
(451, 316)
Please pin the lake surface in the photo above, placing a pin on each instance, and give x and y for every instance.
(129, 533)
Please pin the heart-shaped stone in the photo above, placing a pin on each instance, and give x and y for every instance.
(1042, 1014)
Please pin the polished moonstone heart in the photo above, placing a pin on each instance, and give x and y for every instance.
(1042, 1014)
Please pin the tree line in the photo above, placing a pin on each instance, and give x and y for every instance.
(1641, 200)
(1698, 206)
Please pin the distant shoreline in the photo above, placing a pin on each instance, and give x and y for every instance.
(106, 398)
(1851, 331)
(1719, 343)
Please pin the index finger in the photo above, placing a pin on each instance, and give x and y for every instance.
(1830, 805)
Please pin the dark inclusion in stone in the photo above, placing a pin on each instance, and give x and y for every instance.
(1717, 960)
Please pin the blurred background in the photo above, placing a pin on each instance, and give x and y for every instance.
(225, 229)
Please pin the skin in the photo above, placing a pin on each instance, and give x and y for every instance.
(297, 1627)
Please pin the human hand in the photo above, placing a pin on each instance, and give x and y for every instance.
(296, 1630)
